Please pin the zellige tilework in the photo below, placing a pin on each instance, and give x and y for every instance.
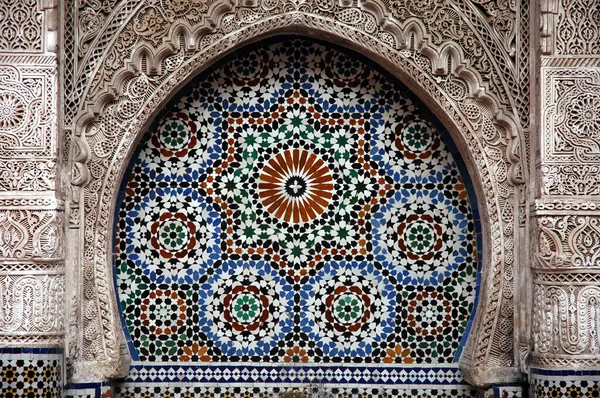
(296, 206)
(31, 373)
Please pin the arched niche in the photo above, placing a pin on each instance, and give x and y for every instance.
(114, 119)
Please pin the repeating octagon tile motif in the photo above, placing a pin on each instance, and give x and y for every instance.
(295, 206)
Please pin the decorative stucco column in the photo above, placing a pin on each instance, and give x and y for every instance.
(31, 209)
(566, 269)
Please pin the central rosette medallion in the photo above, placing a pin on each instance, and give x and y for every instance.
(295, 206)
(295, 186)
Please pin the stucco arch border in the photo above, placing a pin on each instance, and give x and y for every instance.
(113, 121)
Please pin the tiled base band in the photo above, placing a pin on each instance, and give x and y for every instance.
(564, 383)
(31, 372)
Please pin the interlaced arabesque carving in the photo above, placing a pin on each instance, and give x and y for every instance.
(27, 175)
(32, 283)
(578, 27)
(27, 124)
(568, 241)
(161, 45)
(21, 24)
(462, 22)
(27, 109)
(489, 43)
(26, 233)
(571, 131)
(570, 179)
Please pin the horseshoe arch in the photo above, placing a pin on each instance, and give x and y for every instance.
(119, 107)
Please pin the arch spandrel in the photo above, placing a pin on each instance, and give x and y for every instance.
(115, 117)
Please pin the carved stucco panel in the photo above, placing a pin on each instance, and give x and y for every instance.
(485, 31)
(31, 305)
(568, 240)
(108, 139)
(31, 233)
(569, 27)
(570, 131)
(21, 24)
(577, 27)
(566, 310)
(28, 108)
(27, 175)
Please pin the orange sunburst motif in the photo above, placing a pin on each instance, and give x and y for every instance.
(296, 186)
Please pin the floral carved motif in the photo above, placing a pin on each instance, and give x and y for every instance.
(27, 175)
(568, 241)
(578, 27)
(21, 26)
(27, 110)
(570, 179)
(571, 131)
(572, 116)
(31, 234)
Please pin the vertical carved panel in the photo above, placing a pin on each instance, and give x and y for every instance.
(21, 26)
(32, 240)
(566, 298)
(578, 27)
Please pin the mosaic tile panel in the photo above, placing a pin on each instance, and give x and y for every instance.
(564, 383)
(315, 391)
(296, 206)
(90, 390)
(30, 373)
(505, 391)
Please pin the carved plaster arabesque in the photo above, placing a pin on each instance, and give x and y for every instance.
(568, 241)
(27, 107)
(32, 282)
(151, 76)
(22, 26)
(569, 27)
(28, 143)
(31, 304)
(567, 233)
(578, 27)
(570, 130)
(31, 233)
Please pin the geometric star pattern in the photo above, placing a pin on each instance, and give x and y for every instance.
(296, 205)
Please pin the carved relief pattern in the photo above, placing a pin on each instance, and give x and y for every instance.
(568, 241)
(27, 109)
(567, 224)
(566, 321)
(571, 131)
(570, 179)
(461, 21)
(21, 24)
(32, 280)
(578, 27)
(31, 304)
(571, 119)
(28, 233)
(28, 175)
